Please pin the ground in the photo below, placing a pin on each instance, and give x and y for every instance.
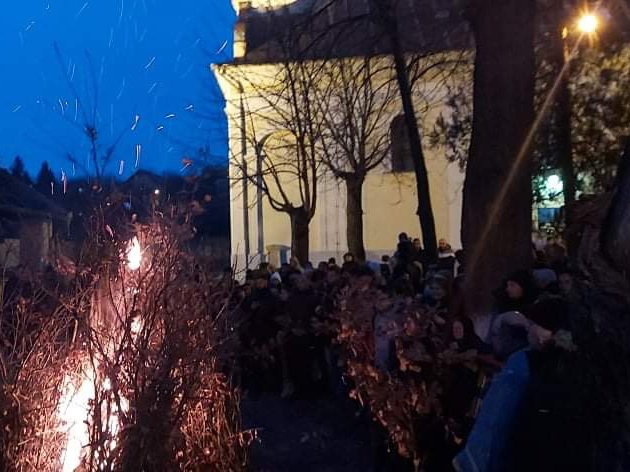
(309, 435)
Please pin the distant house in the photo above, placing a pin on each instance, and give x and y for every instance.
(28, 221)
(204, 198)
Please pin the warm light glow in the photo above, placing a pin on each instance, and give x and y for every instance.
(136, 325)
(74, 408)
(134, 254)
(74, 414)
(588, 23)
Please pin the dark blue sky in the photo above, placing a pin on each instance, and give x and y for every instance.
(148, 61)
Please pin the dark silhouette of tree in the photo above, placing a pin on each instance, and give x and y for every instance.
(497, 210)
(19, 171)
(385, 16)
(45, 182)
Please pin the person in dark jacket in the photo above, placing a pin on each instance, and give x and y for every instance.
(518, 293)
(533, 418)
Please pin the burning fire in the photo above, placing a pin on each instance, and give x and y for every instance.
(74, 413)
(74, 408)
(134, 254)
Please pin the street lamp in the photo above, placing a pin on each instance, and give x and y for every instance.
(588, 23)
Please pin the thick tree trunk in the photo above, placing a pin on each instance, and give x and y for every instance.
(299, 234)
(616, 233)
(354, 216)
(497, 212)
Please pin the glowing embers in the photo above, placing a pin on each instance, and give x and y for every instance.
(76, 412)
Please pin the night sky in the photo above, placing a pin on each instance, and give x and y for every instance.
(146, 59)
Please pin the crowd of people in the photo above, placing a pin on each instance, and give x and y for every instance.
(287, 327)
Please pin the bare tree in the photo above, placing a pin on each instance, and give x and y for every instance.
(356, 98)
(385, 16)
(86, 108)
(285, 130)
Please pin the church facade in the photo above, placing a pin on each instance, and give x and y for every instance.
(389, 200)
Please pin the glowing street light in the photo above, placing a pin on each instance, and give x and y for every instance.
(588, 23)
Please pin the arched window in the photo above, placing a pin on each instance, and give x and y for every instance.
(399, 143)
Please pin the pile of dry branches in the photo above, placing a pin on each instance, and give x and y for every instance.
(405, 400)
(130, 371)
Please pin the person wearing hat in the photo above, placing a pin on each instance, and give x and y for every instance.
(518, 293)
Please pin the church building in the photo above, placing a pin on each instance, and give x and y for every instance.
(307, 40)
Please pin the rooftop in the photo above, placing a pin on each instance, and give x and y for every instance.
(19, 200)
(315, 29)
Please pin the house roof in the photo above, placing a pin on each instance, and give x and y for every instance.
(315, 29)
(19, 200)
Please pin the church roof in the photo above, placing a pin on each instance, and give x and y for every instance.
(315, 29)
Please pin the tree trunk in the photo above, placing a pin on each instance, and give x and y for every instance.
(616, 232)
(354, 216)
(299, 234)
(425, 209)
(497, 211)
(388, 19)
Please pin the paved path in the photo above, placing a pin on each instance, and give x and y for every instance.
(321, 435)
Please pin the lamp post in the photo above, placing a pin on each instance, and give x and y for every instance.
(586, 24)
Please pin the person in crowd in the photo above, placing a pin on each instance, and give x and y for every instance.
(295, 264)
(275, 278)
(405, 266)
(460, 391)
(532, 417)
(509, 324)
(417, 248)
(546, 282)
(446, 257)
(517, 293)
(508, 333)
(540, 259)
(257, 332)
(438, 294)
(404, 248)
(418, 251)
(385, 268)
(568, 285)
(460, 264)
(349, 263)
(298, 366)
(556, 256)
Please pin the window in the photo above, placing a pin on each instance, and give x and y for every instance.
(399, 143)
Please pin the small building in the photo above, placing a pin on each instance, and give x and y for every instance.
(28, 221)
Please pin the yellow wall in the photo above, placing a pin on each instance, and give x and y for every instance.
(389, 199)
